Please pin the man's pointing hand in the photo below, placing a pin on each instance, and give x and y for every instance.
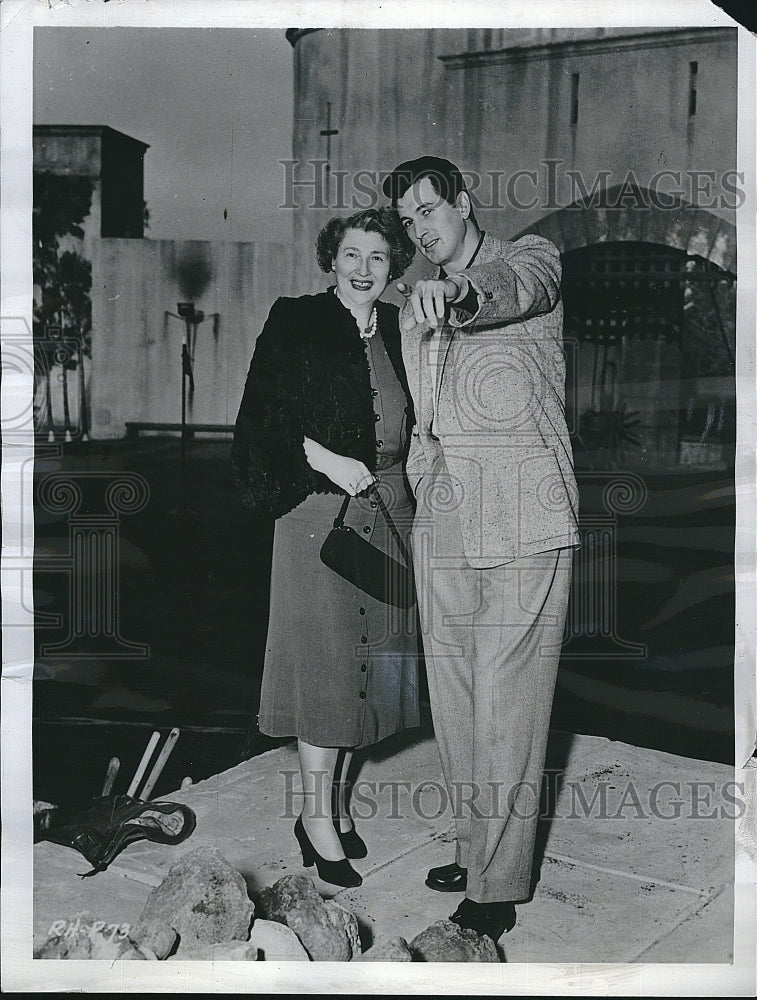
(430, 297)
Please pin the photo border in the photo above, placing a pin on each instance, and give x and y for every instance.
(21, 972)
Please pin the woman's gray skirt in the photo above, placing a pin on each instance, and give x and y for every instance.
(341, 668)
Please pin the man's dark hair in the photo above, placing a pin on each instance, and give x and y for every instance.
(445, 178)
(383, 221)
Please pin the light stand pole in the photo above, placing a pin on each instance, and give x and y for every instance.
(187, 312)
(191, 318)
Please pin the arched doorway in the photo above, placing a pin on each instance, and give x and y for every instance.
(650, 345)
(650, 391)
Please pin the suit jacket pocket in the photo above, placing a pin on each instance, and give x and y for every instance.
(546, 501)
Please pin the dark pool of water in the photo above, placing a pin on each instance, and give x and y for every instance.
(191, 586)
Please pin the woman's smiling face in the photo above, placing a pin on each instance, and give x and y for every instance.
(361, 266)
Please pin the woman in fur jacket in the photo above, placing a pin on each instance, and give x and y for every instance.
(326, 413)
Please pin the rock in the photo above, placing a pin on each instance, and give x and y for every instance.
(203, 899)
(348, 921)
(148, 954)
(85, 937)
(325, 929)
(158, 938)
(134, 954)
(221, 951)
(276, 942)
(447, 942)
(388, 950)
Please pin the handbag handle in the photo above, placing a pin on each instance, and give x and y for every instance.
(339, 519)
(373, 488)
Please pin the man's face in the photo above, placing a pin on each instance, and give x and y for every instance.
(435, 227)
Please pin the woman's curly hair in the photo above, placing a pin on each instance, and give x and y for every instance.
(384, 221)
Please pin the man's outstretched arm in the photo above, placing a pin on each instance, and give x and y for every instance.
(524, 283)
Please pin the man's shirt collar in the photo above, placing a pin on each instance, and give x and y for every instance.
(443, 273)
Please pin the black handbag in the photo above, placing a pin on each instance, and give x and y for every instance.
(364, 565)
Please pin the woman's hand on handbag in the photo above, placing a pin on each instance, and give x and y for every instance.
(349, 474)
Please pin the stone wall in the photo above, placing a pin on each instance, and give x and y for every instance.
(502, 101)
(589, 117)
(136, 344)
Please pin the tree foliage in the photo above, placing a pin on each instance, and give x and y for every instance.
(62, 275)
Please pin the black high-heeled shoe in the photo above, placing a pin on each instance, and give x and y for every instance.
(353, 844)
(336, 872)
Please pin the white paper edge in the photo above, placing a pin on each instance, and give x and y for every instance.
(20, 971)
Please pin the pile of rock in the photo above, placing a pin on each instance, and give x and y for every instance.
(201, 911)
(441, 942)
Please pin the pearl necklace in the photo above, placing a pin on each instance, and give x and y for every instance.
(370, 330)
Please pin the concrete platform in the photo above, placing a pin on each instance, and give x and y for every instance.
(635, 861)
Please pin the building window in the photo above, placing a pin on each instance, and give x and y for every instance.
(574, 98)
(693, 69)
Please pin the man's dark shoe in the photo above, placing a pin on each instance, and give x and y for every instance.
(448, 878)
(492, 919)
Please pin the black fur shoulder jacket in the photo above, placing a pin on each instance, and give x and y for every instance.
(308, 378)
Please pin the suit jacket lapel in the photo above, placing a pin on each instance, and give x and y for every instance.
(415, 355)
(445, 342)
(487, 252)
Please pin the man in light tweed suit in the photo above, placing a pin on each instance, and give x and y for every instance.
(491, 465)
